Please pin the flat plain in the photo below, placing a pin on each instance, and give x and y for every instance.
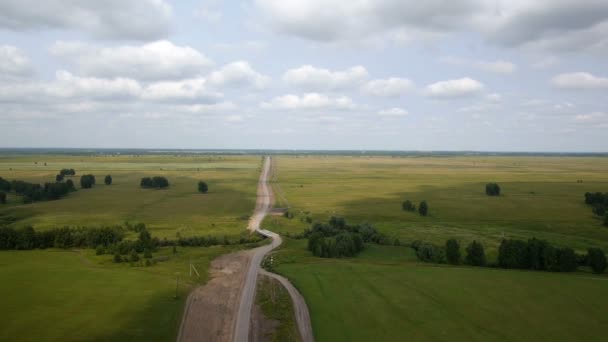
(385, 294)
(179, 209)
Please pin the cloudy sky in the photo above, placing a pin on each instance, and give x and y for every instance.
(514, 75)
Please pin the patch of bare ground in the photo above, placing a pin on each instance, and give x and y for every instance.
(211, 309)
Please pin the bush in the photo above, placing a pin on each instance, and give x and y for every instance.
(2, 197)
(492, 189)
(452, 252)
(476, 255)
(202, 187)
(87, 181)
(423, 208)
(337, 239)
(428, 252)
(513, 254)
(59, 178)
(147, 253)
(597, 260)
(100, 250)
(117, 258)
(133, 257)
(108, 180)
(70, 184)
(156, 182)
(407, 205)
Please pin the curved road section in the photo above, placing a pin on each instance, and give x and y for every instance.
(243, 319)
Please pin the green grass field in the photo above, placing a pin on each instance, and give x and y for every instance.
(385, 295)
(179, 209)
(541, 196)
(61, 295)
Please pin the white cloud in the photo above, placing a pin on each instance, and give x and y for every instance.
(544, 24)
(311, 78)
(114, 19)
(152, 61)
(454, 88)
(499, 67)
(308, 101)
(579, 80)
(393, 112)
(190, 90)
(239, 73)
(494, 97)
(390, 87)
(68, 85)
(14, 62)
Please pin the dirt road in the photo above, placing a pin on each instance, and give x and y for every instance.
(263, 206)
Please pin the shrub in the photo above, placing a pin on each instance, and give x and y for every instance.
(2, 197)
(423, 208)
(476, 255)
(148, 263)
(565, 260)
(202, 187)
(428, 252)
(147, 253)
(492, 189)
(133, 257)
(108, 180)
(407, 205)
(59, 178)
(70, 184)
(87, 181)
(596, 259)
(452, 252)
(100, 250)
(117, 258)
(513, 254)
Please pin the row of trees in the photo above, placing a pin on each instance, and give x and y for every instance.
(533, 254)
(337, 239)
(492, 189)
(599, 203)
(156, 182)
(28, 238)
(423, 207)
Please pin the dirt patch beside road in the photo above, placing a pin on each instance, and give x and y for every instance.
(211, 309)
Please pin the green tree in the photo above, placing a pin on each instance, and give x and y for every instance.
(476, 255)
(452, 251)
(59, 178)
(423, 208)
(606, 220)
(407, 205)
(492, 189)
(2, 197)
(108, 180)
(597, 260)
(70, 184)
(202, 187)
(87, 181)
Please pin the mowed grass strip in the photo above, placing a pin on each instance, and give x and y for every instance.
(385, 295)
(178, 209)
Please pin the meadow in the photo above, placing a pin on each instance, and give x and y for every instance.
(385, 294)
(75, 295)
(541, 197)
(180, 209)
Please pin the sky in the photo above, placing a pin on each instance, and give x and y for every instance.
(445, 75)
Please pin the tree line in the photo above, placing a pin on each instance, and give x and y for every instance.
(337, 239)
(534, 254)
(599, 204)
(33, 192)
